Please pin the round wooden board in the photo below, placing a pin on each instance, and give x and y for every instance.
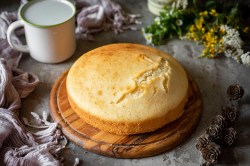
(131, 146)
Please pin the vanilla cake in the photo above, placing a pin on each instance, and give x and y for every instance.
(127, 88)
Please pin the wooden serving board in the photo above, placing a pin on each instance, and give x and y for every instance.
(131, 146)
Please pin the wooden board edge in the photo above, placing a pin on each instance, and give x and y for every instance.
(117, 151)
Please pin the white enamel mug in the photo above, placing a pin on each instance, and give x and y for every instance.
(49, 27)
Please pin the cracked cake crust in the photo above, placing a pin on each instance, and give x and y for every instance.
(127, 88)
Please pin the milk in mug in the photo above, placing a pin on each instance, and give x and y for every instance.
(48, 12)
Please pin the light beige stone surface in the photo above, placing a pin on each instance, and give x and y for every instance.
(212, 77)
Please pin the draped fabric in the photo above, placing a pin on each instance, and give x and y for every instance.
(19, 146)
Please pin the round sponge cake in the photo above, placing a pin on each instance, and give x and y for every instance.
(127, 88)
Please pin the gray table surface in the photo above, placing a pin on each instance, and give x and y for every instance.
(212, 77)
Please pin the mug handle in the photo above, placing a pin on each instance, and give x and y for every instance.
(11, 29)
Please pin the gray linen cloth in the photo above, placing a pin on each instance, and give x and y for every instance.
(19, 146)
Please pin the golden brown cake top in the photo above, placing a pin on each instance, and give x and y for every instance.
(127, 82)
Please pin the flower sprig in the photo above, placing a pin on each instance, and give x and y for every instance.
(207, 31)
(218, 29)
(169, 24)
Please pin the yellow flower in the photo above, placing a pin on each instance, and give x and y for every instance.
(205, 13)
(204, 52)
(208, 36)
(213, 12)
(246, 30)
(198, 23)
(206, 44)
(192, 28)
(192, 34)
(201, 20)
(203, 37)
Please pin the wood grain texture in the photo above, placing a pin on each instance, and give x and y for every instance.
(131, 146)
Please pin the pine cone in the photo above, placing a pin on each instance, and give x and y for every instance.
(220, 121)
(230, 114)
(203, 141)
(214, 131)
(235, 92)
(205, 164)
(211, 153)
(230, 136)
